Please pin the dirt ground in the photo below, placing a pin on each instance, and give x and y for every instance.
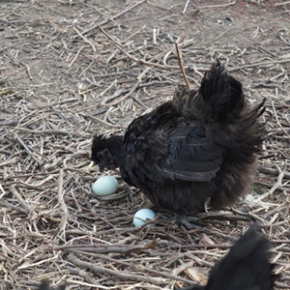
(71, 68)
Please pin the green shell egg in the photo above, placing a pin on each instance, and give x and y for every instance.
(105, 185)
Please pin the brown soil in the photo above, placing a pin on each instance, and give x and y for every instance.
(62, 79)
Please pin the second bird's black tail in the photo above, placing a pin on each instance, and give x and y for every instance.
(245, 267)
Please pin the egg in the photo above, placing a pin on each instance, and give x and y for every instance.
(105, 185)
(142, 215)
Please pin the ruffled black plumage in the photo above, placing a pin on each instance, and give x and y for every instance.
(245, 267)
(201, 145)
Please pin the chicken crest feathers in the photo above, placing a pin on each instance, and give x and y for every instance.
(106, 151)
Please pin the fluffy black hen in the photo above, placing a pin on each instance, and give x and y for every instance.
(245, 267)
(200, 146)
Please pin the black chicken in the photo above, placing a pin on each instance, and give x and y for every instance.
(44, 285)
(245, 267)
(200, 146)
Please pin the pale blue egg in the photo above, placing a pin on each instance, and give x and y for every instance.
(105, 185)
(142, 215)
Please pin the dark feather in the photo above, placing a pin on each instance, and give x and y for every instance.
(203, 144)
(45, 286)
(245, 267)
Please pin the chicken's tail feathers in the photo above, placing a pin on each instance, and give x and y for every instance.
(222, 94)
(257, 111)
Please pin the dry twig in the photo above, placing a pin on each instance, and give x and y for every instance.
(181, 66)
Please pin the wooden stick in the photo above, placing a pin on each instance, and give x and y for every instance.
(181, 66)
